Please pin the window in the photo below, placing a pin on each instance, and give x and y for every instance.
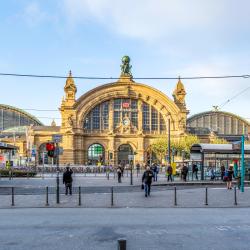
(154, 119)
(145, 117)
(162, 123)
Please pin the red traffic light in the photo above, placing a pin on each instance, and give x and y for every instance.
(50, 146)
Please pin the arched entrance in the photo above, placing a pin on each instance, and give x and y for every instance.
(96, 154)
(124, 151)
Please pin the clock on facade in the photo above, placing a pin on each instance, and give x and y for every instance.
(126, 121)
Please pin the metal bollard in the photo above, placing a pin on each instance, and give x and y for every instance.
(108, 176)
(175, 196)
(206, 196)
(235, 197)
(47, 196)
(80, 198)
(122, 244)
(12, 197)
(112, 196)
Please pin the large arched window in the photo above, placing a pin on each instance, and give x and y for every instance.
(96, 154)
(97, 119)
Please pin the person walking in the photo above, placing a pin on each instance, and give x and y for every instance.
(67, 180)
(169, 173)
(138, 167)
(230, 173)
(195, 171)
(222, 171)
(147, 180)
(184, 172)
(155, 170)
(119, 174)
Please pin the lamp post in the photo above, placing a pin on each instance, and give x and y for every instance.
(242, 161)
(169, 156)
(57, 176)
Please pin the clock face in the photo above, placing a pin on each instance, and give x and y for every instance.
(125, 122)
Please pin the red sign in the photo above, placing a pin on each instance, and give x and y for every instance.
(1, 158)
(125, 105)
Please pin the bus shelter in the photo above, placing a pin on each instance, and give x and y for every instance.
(213, 156)
(7, 152)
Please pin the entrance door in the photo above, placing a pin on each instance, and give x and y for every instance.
(123, 152)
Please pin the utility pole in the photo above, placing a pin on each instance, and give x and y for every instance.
(169, 141)
(242, 160)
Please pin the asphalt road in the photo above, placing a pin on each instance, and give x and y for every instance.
(183, 228)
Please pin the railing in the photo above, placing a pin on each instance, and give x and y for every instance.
(123, 196)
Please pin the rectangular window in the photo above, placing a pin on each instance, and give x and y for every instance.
(134, 119)
(162, 124)
(105, 115)
(117, 104)
(116, 118)
(154, 119)
(145, 117)
(96, 117)
(133, 104)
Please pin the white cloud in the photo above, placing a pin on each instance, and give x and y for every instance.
(154, 19)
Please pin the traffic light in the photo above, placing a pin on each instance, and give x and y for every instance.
(50, 147)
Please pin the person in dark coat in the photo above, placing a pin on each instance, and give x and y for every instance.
(222, 171)
(119, 174)
(147, 180)
(195, 171)
(230, 174)
(67, 180)
(169, 172)
(184, 172)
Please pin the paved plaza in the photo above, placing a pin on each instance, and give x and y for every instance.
(145, 229)
(96, 192)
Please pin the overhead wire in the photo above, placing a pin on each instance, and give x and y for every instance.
(114, 78)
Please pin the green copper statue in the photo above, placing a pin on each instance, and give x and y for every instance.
(126, 67)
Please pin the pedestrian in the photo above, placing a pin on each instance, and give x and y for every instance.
(155, 170)
(184, 172)
(169, 172)
(195, 171)
(67, 180)
(147, 180)
(230, 173)
(119, 174)
(138, 167)
(212, 173)
(222, 171)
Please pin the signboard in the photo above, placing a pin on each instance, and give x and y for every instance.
(1, 158)
(57, 138)
(130, 157)
(125, 105)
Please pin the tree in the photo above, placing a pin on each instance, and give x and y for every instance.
(184, 144)
(160, 147)
(216, 140)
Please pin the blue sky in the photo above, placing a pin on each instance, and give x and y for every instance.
(163, 38)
